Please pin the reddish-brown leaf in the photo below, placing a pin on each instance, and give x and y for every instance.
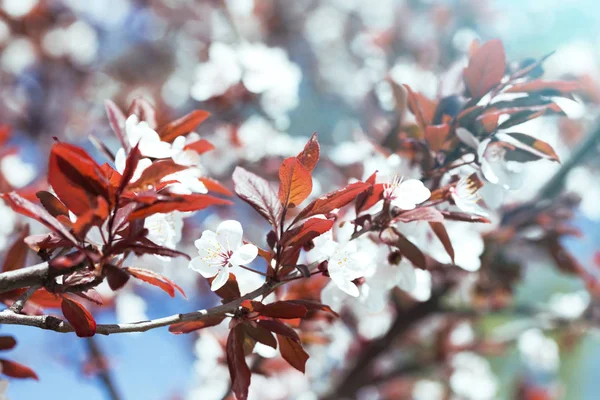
(309, 156)
(69, 260)
(257, 192)
(306, 232)
(214, 186)
(421, 214)
(183, 125)
(200, 146)
(155, 279)
(186, 202)
(440, 231)
(115, 276)
(296, 182)
(546, 87)
(236, 361)
(17, 253)
(486, 68)
(75, 177)
(144, 110)
(460, 216)
(52, 204)
(7, 342)
(79, 317)
(436, 136)
(229, 291)
(279, 328)
(408, 249)
(116, 119)
(292, 352)
(421, 107)
(191, 326)
(260, 334)
(154, 173)
(332, 200)
(283, 309)
(25, 207)
(537, 147)
(16, 370)
(311, 305)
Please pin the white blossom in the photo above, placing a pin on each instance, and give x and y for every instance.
(148, 141)
(406, 194)
(220, 250)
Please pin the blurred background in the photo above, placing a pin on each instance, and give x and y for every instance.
(271, 72)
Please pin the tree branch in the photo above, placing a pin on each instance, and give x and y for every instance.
(39, 274)
(18, 305)
(52, 323)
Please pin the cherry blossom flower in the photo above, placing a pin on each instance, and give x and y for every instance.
(149, 143)
(342, 265)
(406, 194)
(120, 160)
(165, 229)
(220, 250)
(187, 179)
(465, 195)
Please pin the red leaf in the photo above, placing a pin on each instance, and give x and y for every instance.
(116, 118)
(68, 261)
(131, 163)
(185, 202)
(260, 334)
(333, 200)
(31, 210)
(152, 175)
(257, 192)
(486, 68)
(421, 214)
(309, 156)
(278, 327)
(369, 197)
(283, 309)
(75, 177)
(7, 342)
(436, 136)
(296, 182)
(214, 186)
(534, 146)
(313, 306)
(16, 370)
(79, 317)
(547, 87)
(421, 107)
(200, 146)
(187, 327)
(292, 352)
(306, 232)
(144, 110)
(45, 299)
(229, 291)
(115, 276)
(17, 253)
(440, 231)
(52, 204)
(408, 249)
(238, 369)
(183, 125)
(155, 279)
(460, 216)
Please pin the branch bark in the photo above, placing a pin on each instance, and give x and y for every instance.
(53, 323)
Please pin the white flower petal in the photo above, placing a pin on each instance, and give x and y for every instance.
(414, 190)
(220, 279)
(347, 286)
(467, 137)
(244, 255)
(229, 234)
(208, 239)
(205, 269)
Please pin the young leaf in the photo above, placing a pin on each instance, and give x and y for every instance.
(16, 370)
(229, 291)
(115, 276)
(421, 214)
(260, 334)
(154, 173)
(7, 342)
(296, 182)
(279, 328)
(117, 122)
(214, 186)
(440, 231)
(155, 279)
(184, 202)
(292, 352)
(52, 204)
(79, 317)
(191, 326)
(25, 207)
(486, 68)
(547, 88)
(309, 156)
(257, 192)
(436, 136)
(236, 361)
(421, 107)
(75, 177)
(183, 125)
(408, 249)
(311, 305)
(200, 146)
(332, 200)
(306, 232)
(144, 110)
(536, 147)
(283, 309)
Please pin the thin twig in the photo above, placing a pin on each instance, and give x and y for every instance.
(18, 305)
(104, 374)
